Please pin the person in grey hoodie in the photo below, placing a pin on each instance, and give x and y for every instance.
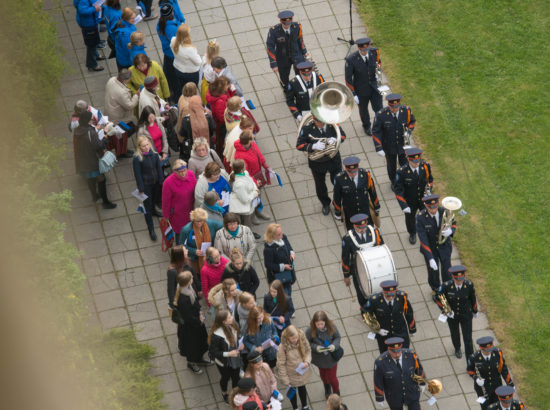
(219, 65)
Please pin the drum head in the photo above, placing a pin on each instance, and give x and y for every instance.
(374, 265)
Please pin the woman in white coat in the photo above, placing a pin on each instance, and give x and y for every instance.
(244, 193)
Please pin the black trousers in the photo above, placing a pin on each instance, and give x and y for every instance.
(410, 219)
(391, 164)
(226, 374)
(382, 347)
(466, 325)
(375, 100)
(284, 73)
(180, 340)
(170, 73)
(153, 193)
(411, 405)
(147, 4)
(442, 256)
(319, 177)
(91, 40)
(360, 297)
(302, 392)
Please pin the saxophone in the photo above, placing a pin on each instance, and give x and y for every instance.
(371, 321)
(446, 306)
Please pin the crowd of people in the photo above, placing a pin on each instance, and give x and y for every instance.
(198, 168)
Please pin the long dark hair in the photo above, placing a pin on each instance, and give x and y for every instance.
(281, 295)
(114, 4)
(221, 316)
(163, 20)
(321, 316)
(177, 258)
(144, 117)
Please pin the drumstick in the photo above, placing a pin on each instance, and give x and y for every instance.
(351, 293)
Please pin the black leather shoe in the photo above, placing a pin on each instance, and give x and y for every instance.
(412, 239)
(97, 68)
(256, 236)
(153, 235)
(326, 209)
(458, 353)
(108, 205)
(368, 131)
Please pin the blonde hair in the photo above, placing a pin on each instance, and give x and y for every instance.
(334, 402)
(245, 298)
(127, 14)
(198, 215)
(200, 141)
(234, 103)
(190, 89)
(139, 141)
(227, 284)
(178, 163)
(212, 50)
(183, 37)
(292, 331)
(137, 38)
(236, 254)
(184, 278)
(271, 231)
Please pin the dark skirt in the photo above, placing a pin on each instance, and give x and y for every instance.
(194, 344)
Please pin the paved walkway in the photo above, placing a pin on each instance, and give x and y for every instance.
(126, 271)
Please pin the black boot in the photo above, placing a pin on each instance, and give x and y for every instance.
(92, 186)
(152, 234)
(328, 390)
(102, 186)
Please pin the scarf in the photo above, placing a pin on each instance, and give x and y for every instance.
(280, 242)
(144, 71)
(201, 236)
(233, 233)
(215, 208)
(197, 117)
(190, 292)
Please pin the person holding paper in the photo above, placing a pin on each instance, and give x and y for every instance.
(87, 17)
(278, 305)
(461, 295)
(393, 376)
(225, 349)
(259, 329)
(293, 363)
(236, 237)
(212, 270)
(122, 31)
(214, 178)
(324, 339)
(244, 193)
(279, 257)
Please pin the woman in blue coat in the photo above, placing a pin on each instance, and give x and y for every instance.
(167, 28)
(112, 13)
(260, 328)
(178, 15)
(122, 31)
(149, 176)
(87, 19)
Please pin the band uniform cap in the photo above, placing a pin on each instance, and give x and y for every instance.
(304, 65)
(166, 10)
(389, 285)
(246, 383)
(413, 152)
(150, 82)
(250, 405)
(362, 41)
(505, 391)
(286, 14)
(351, 162)
(359, 219)
(254, 357)
(485, 341)
(457, 270)
(431, 199)
(394, 342)
(393, 99)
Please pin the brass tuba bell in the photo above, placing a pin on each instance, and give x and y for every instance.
(434, 386)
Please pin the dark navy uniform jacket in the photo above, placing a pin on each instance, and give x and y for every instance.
(308, 136)
(349, 249)
(491, 370)
(297, 98)
(285, 51)
(354, 199)
(361, 76)
(397, 320)
(410, 186)
(516, 405)
(397, 386)
(463, 301)
(387, 132)
(428, 232)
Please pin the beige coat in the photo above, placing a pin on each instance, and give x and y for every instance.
(288, 360)
(265, 382)
(216, 298)
(119, 102)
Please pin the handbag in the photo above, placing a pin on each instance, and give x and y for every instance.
(107, 162)
(338, 353)
(284, 276)
(259, 176)
(175, 313)
(168, 234)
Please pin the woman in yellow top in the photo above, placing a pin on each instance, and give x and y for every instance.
(143, 67)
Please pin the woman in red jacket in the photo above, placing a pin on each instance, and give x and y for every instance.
(217, 95)
(212, 271)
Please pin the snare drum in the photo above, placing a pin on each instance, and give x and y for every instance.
(374, 265)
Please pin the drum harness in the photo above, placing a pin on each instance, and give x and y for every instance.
(363, 245)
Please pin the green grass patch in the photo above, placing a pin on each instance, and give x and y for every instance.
(476, 74)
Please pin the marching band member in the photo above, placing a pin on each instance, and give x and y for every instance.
(388, 130)
(352, 190)
(428, 226)
(309, 141)
(487, 366)
(300, 89)
(506, 400)
(411, 181)
(393, 310)
(358, 236)
(461, 295)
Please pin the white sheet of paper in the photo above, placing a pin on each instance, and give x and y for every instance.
(225, 198)
(119, 130)
(266, 344)
(255, 202)
(140, 197)
(442, 318)
(101, 134)
(481, 400)
(432, 401)
(99, 2)
(372, 336)
(275, 404)
(302, 368)
(138, 19)
(205, 246)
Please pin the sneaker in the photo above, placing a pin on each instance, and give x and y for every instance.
(205, 362)
(194, 368)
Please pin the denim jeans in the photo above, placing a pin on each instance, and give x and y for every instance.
(91, 40)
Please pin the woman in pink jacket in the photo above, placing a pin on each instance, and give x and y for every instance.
(178, 195)
(212, 271)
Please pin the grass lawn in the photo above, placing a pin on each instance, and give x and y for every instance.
(477, 74)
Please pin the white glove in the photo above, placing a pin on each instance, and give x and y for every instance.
(433, 264)
(447, 232)
(480, 382)
(331, 141)
(318, 146)
(381, 153)
(356, 99)
(381, 403)
(476, 315)
(423, 388)
(299, 118)
(383, 332)
(407, 210)
(338, 217)
(451, 315)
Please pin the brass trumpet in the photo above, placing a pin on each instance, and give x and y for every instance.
(434, 386)
(371, 321)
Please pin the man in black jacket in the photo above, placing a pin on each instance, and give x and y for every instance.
(300, 89)
(360, 75)
(285, 46)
